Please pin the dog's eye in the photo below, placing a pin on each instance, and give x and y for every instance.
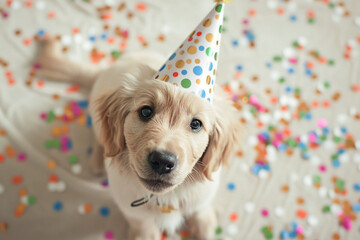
(196, 125)
(145, 113)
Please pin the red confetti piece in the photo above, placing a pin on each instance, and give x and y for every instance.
(17, 179)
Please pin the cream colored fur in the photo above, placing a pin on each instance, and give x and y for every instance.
(117, 93)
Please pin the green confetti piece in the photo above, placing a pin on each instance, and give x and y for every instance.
(334, 156)
(326, 84)
(326, 209)
(295, 44)
(54, 143)
(311, 20)
(340, 184)
(337, 139)
(291, 142)
(116, 54)
(331, 5)
(218, 230)
(277, 58)
(282, 80)
(31, 200)
(73, 159)
(297, 90)
(323, 138)
(331, 62)
(302, 114)
(316, 179)
(50, 117)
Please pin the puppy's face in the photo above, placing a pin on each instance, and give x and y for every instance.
(170, 135)
(166, 132)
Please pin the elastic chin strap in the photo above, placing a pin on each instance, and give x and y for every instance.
(141, 201)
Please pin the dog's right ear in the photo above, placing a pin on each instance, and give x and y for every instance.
(112, 109)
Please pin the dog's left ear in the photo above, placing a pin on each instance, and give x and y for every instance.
(225, 136)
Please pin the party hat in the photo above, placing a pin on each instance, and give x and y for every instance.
(192, 67)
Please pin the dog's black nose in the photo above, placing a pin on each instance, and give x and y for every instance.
(162, 162)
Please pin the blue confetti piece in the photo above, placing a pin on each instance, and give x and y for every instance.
(69, 144)
(356, 207)
(89, 150)
(104, 36)
(344, 130)
(302, 145)
(41, 33)
(291, 71)
(305, 155)
(239, 67)
(266, 167)
(284, 234)
(336, 163)
(92, 38)
(255, 169)
(308, 72)
(288, 89)
(357, 187)
(293, 18)
(308, 116)
(58, 206)
(104, 211)
(89, 121)
(235, 43)
(326, 130)
(231, 186)
(83, 103)
(282, 147)
(268, 65)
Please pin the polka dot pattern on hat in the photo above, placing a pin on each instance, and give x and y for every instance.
(196, 59)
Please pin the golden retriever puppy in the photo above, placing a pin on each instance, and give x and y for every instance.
(163, 147)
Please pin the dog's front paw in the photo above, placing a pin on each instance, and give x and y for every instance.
(202, 224)
(147, 232)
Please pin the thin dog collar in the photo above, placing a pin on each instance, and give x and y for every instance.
(141, 201)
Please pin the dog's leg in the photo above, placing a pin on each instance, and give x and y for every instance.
(202, 224)
(144, 229)
(97, 158)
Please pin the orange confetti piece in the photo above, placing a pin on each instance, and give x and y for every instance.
(51, 164)
(29, 3)
(234, 217)
(326, 104)
(75, 30)
(252, 12)
(73, 88)
(22, 192)
(19, 210)
(141, 7)
(51, 14)
(88, 207)
(3, 226)
(2, 132)
(302, 214)
(280, 11)
(111, 40)
(27, 41)
(40, 83)
(10, 151)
